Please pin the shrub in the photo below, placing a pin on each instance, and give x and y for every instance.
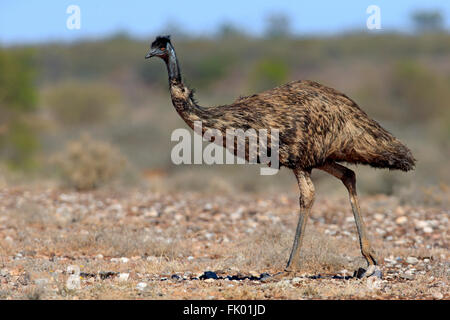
(18, 100)
(87, 164)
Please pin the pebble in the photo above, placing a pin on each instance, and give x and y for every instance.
(123, 277)
(151, 213)
(407, 276)
(378, 216)
(428, 230)
(296, 280)
(210, 236)
(401, 220)
(124, 260)
(412, 260)
(438, 295)
(141, 286)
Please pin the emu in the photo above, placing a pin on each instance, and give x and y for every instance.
(319, 128)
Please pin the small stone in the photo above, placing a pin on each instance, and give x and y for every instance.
(412, 260)
(123, 277)
(141, 286)
(209, 280)
(378, 216)
(420, 224)
(151, 213)
(124, 260)
(4, 272)
(99, 256)
(237, 214)
(407, 276)
(209, 236)
(427, 229)
(401, 220)
(438, 295)
(296, 280)
(190, 258)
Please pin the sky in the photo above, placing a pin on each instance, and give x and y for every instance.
(25, 21)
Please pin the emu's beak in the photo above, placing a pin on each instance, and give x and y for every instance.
(150, 54)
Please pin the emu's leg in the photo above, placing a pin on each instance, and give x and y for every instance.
(348, 177)
(306, 200)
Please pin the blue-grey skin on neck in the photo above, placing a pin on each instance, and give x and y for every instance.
(172, 65)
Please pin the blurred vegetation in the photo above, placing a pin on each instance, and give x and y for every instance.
(87, 164)
(18, 100)
(421, 93)
(77, 103)
(428, 21)
(107, 89)
(277, 26)
(269, 73)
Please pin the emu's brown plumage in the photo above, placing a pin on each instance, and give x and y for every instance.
(318, 127)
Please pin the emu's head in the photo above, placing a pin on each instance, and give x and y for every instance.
(160, 48)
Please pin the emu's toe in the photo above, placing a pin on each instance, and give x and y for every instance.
(371, 271)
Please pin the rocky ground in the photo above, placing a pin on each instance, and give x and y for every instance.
(136, 244)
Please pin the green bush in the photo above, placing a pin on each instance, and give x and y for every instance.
(87, 164)
(18, 100)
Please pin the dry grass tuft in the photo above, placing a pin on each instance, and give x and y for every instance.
(86, 164)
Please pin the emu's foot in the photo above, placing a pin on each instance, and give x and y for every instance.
(372, 271)
(292, 267)
(275, 276)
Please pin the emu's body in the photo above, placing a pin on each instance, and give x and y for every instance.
(318, 127)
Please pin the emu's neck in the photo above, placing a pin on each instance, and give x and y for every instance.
(182, 97)
(172, 65)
